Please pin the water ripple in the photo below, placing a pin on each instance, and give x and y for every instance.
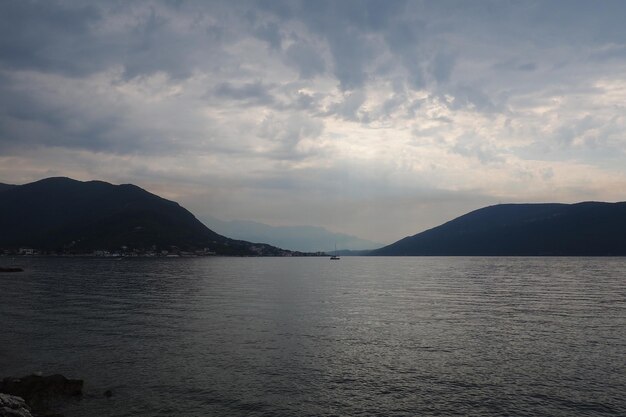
(364, 336)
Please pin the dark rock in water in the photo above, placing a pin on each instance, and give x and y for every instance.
(35, 385)
(11, 269)
(12, 406)
(40, 392)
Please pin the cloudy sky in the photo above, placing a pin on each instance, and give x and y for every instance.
(374, 118)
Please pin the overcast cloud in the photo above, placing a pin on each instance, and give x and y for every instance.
(374, 118)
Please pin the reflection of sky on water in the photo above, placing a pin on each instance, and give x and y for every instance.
(282, 336)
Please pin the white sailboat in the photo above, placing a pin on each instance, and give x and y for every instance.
(335, 257)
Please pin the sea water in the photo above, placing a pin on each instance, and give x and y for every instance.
(310, 337)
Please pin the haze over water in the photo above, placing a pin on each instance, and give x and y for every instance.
(305, 336)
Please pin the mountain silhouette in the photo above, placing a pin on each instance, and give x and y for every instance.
(582, 229)
(65, 214)
(4, 187)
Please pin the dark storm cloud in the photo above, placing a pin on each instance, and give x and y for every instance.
(303, 56)
(70, 37)
(49, 36)
(152, 47)
(403, 39)
(442, 66)
(345, 25)
(34, 114)
(270, 33)
(255, 93)
(351, 53)
(358, 33)
(77, 39)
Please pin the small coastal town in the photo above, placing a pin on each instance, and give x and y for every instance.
(126, 252)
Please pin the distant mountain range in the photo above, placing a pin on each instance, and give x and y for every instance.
(583, 229)
(61, 214)
(69, 216)
(300, 238)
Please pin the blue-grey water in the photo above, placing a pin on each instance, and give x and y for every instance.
(311, 337)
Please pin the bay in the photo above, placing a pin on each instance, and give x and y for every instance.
(306, 336)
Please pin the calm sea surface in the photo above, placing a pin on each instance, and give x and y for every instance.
(308, 337)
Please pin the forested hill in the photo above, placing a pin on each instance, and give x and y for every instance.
(4, 187)
(589, 228)
(63, 214)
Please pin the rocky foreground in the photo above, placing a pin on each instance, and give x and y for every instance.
(13, 406)
(11, 269)
(35, 395)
